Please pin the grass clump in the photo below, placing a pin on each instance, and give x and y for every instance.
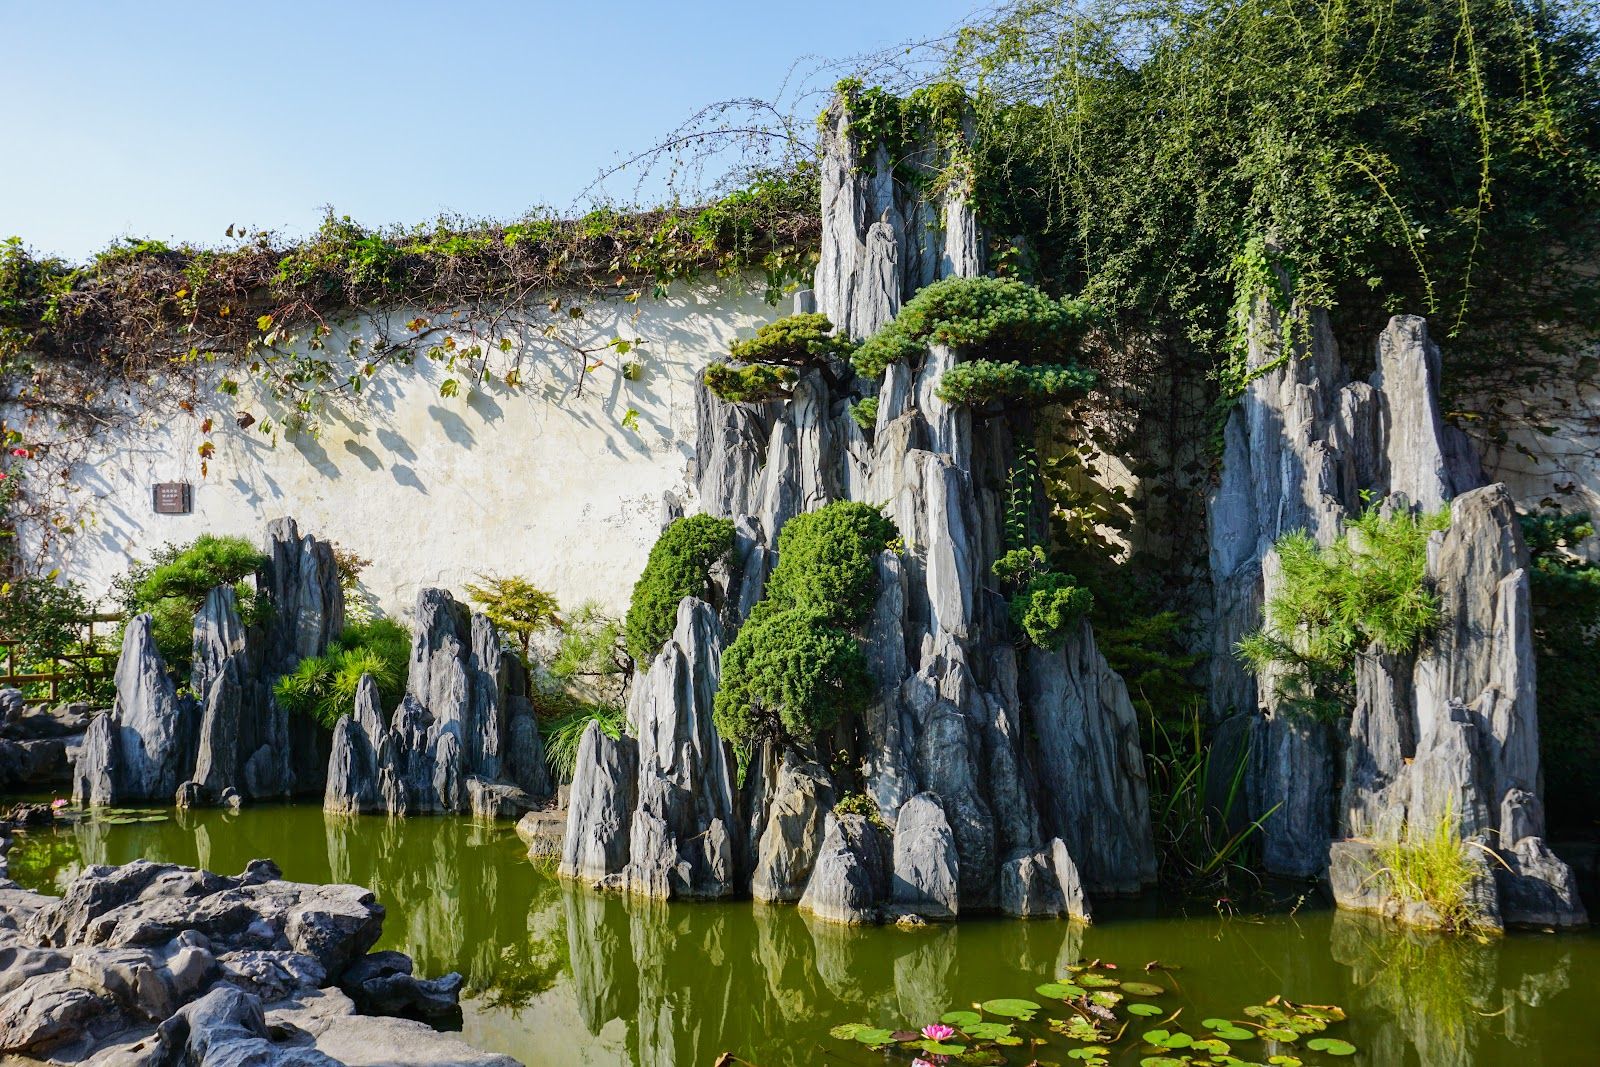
(679, 566)
(324, 687)
(1369, 588)
(563, 731)
(1433, 867)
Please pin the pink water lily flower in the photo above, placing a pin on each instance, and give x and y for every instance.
(58, 803)
(920, 1062)
(938, 1032)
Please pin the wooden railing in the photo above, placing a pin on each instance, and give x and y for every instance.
(62, 667)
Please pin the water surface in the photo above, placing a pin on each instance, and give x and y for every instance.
(557, 975)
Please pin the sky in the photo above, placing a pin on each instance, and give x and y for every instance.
(175, 121)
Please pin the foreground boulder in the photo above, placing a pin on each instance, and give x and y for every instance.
(153, 964)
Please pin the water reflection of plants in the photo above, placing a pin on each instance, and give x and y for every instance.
(1097, 1013)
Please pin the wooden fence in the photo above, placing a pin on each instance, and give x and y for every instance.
(84, 667)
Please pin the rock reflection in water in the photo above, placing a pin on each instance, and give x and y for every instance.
(558, 975)
(1445, 1002)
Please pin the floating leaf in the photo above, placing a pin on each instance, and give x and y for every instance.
(1160, 1061)
(1141, 1008)
(1213, 1046)
(1276, 1033)
(987, 1031)
(1305, 1024)
(1011, 1008)
(1059, 990)
(941, 1048)
(1143, 989)
(1168, 1038)
(1327, 1012)
(1095, 980)
(1105, 998)
(847, 1031)
(871, 1035)
(1331, 1045)
(1286, 1060)
(962, 1019)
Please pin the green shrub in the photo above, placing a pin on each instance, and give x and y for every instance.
(795, 668)
(679, 566)
(864, 806)
(1367, 588)
(986, 316)
(758, 384)
(1566, 642)
(593, 654)
(173, 584)
(1044, 604)
(517, 606)
(802, 341)
(865, 412)
(790, 674)
(46, 620)
(827, 561)
(324, 687)
(984, 381)
(198, 568)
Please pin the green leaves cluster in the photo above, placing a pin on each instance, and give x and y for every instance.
(173, 585)
(679, 565)
(1367, 588)
(1406, 155)
(1044, 604)
(516, 606)
(981, 382)
(985, 316)
(1566, 642)
(795, 667)
(774, 357)
(324, 687)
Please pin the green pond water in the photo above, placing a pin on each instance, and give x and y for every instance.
(558, 975)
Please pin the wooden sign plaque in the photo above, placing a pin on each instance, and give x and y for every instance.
(173, 498)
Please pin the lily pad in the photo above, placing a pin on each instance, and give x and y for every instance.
(1274, 1033)
(1331, 1045)
(1168, 1038)
(940, 1048)
(1327, 1012)
(1105, 998)
(1141, 1008)
(1059, 990)
(1160, 1061)
(1011, 1008)
(847, 1031)
(962, 1019)
(987, 1031)
(872, 1035)
(1143, 989)
(1093, 980)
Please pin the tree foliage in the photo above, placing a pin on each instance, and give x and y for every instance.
(324, 687)
(516, 606)
(1369, 588)
(795, 667)
(1401, 155)
(1044, 604)
(679, 566)
(773, 359)
(173, 585)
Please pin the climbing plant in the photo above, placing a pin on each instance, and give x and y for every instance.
(1566, 642)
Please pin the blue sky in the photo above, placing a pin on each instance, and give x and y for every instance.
(176, 120)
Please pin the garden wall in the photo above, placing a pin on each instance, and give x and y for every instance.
(536, 480)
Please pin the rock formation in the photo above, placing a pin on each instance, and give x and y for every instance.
(463, 737)
(1451, 733)
(161, 965)
(230, 738)
(1010, 762)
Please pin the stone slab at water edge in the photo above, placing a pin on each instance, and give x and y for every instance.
(153, 964)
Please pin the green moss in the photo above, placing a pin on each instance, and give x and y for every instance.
(679, 566)
(1368, 588)
(984, 316)
(324, 687)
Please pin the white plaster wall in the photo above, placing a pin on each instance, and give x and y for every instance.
(534, 481)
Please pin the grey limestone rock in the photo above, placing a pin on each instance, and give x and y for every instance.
(850, 880)
(926, 869)
(600, 807)
(794, 825)
(1029, 888)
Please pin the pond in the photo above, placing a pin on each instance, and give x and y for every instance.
(557, 975)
